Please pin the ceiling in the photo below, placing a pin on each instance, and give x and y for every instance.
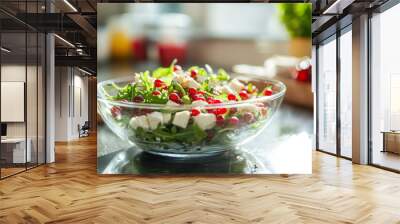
(72, 20)
(330, 15)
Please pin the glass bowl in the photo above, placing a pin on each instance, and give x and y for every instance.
(199, 138)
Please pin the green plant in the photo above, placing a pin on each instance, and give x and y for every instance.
(297, 18)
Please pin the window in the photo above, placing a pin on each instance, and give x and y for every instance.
(385, 89)
(346, 93)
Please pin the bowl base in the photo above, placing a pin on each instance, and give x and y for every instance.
(186, 155)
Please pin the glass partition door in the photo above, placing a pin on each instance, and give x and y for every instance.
(327, 96)
(22, 78)
(346, 93)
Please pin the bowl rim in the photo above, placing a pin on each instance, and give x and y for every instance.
(101, 97)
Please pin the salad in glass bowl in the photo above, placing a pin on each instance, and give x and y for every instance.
(188, 113)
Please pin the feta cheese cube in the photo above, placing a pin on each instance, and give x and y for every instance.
(179, 77)
(248, 108)
(140, 121)
(172, 103)
(199, 103)
(181, 119)
(166, 118)
(154, 118)
(133, 123)
(226, 89)
(191, 83)
(205, 120)
(137, 77)
(236, 85)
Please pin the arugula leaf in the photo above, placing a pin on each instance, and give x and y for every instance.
(222, 75)
(186, 99)
(178, 87)
(145, 77)
(162, 73)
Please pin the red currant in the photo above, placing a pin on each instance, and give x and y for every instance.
(243, 95)
(115, 111)
(220, 120)
(198, 97)
(195, 112)
(138, 99)
(193, 73)
(267, 92)
(231, 96)
(174, 97)
(217, 101)
(219, 111)
(201, 92)
(158, 83)
(192, 91)
(232, 110)
(156, 93)
(233, 120)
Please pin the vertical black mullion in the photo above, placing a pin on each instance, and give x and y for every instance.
(26, 85)
(369, 95)
(338, 97)
(37, 88)
(316, 97)
(45, 94)
(73, 92)
(45, 88)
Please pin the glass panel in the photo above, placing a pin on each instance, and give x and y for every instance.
(346, 94)
(41, 99)
(13, 79)
(32, 88)
(327, 97)
(31, 97)
(385, 86)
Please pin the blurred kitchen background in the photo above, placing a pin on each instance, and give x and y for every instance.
(263, 40)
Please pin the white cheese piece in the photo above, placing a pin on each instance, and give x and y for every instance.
(181, 119)
(248, 108)
(179, 77)
(133, 123)
(137, 77)
(166, 118)
(191, 83)
(205, 120)
(236, 85)
(140, 121)
(154, 118)
(226, 89)
(199, 103)
(172, 103)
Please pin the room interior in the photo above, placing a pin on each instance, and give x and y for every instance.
(352, 115)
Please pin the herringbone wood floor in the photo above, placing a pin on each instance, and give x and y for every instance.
(70, 191)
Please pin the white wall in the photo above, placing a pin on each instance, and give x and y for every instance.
(70, 83)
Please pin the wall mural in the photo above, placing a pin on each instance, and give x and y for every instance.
(192, 88)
